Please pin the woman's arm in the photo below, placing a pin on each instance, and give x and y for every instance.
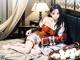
(60, 39)
(61, 35)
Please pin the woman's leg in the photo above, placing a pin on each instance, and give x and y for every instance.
(24, 48)
(28, 46)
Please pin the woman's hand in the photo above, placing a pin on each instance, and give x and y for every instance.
(59, 39)
(60, 32)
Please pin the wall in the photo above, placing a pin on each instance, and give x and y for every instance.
(28, 12)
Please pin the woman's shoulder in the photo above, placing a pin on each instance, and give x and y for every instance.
(47, 18)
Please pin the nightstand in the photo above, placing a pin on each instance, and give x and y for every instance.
(35, 23)
(22, 30)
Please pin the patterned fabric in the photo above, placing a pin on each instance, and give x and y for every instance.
(34, 38)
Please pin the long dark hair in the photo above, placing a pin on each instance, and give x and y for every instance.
(60, 19)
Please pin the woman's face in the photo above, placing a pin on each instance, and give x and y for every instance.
(55, 14)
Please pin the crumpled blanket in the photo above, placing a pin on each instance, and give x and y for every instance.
(11, 54)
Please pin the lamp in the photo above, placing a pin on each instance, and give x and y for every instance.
(40, 7)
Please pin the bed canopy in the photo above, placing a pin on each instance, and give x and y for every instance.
(7, 27)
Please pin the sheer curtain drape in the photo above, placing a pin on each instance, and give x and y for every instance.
(7, 27)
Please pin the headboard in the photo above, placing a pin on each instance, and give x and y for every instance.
(73, 27)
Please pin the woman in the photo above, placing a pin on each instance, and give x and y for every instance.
(55, 22)
(52, 32)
